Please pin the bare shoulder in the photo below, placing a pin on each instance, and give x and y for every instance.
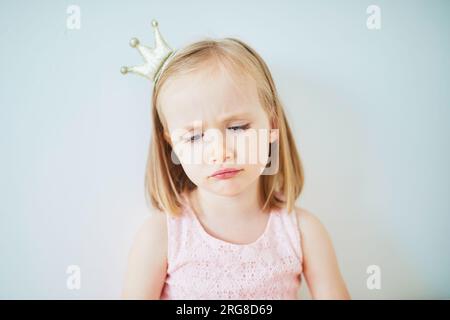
(320, 265)
(313, 233)
(309, 222)
(147, 259)
(152, 234)
(155, 225)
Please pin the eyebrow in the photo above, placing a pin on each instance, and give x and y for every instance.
(224, 118)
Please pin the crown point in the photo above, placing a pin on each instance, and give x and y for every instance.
(124, 70)
(154, 23)
(134, 42)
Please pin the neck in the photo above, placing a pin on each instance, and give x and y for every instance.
(244, 205)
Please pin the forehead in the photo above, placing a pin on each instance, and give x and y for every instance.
(207, 95)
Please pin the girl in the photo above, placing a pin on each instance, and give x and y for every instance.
(223, 226)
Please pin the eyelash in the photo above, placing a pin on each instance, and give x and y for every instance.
(236, 128)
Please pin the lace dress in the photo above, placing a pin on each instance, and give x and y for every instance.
(201, 266)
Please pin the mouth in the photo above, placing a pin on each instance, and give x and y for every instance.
(226, 173)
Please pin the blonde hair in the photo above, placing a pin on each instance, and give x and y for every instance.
(166, 181)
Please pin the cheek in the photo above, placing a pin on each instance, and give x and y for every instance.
(252, 149)
(188, 154)
(195, 173)
(192, 168)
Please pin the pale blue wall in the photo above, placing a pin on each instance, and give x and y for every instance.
(370, 110)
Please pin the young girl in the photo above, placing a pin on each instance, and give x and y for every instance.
(224, 228)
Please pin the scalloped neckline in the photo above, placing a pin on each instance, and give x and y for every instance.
(219, 241)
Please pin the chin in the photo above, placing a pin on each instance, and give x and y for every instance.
(229, 188)
(228, 193)
(223, 188)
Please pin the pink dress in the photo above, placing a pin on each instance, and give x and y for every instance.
(201, 266)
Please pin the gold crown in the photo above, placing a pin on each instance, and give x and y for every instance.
(155, 58)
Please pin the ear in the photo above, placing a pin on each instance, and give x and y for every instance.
(166, 137)
(274, 131)
(273, 135)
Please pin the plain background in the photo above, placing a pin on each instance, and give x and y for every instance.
(369, 109)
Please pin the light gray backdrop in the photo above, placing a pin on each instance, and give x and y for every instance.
(369, 108)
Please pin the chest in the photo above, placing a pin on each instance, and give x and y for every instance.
(242, 232)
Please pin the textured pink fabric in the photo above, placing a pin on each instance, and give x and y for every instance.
(201, 266)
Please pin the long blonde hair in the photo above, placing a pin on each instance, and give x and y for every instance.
(166, 181)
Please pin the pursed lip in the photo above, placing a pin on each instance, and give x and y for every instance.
(225, 171)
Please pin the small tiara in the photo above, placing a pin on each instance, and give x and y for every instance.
(155, 58)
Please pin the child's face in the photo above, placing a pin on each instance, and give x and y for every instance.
(207, 100)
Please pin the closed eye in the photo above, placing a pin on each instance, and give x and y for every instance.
(194, 138)
(238, 128)
(197, 137)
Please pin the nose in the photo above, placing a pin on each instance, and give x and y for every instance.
(220, 151)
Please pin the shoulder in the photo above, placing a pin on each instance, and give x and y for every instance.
(154, 226)
(320, 265)
(152, 234)
(306, 218)
(309, 224)
(147, 259)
